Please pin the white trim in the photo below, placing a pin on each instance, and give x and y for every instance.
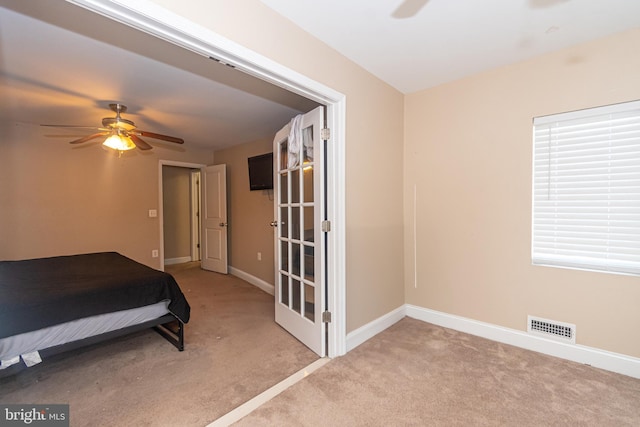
(610, 361)
(182, 164)
(253, 404)
(586, 112)
(255, 281)
(153, 19)
(615, 362)
(373, 328)
(337, 237)
(179, 260)
(196, 207)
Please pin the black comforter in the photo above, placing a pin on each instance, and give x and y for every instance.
(48, 291)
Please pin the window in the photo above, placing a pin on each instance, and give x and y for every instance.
(586, 189)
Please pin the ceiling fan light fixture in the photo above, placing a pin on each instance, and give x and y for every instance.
(121, 133)
(118, 142)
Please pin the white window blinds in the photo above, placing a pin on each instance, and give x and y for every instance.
(586, 189)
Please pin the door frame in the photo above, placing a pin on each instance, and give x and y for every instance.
(162, 163)
(153, 19)
(196, 208)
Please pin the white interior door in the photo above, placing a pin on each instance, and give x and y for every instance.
(299, 187)
(214, 218)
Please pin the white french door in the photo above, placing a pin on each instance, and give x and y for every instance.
(214, 218)
(299, 210)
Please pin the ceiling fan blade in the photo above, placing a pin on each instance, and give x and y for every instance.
(139, 142)
(71, 126)
(160, 136)
(122, 127)
(89, 138)
(408, 8)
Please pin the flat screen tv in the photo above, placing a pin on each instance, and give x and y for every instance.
(261, 172)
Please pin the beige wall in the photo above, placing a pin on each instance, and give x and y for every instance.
(249, 212)
(374, 138)
(58, 199)
(468, 153)
(465, 147)
(176, 212)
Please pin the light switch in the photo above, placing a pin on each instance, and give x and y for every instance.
(153, 213)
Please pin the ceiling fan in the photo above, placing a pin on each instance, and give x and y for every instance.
(121, 134)
(408, 8)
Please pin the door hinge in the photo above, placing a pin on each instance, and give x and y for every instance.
(326, 317)
(325, 134)
(326, 226)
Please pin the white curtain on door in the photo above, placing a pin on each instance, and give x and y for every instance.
(299, 138)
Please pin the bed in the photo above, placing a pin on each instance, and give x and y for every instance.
(51, 305)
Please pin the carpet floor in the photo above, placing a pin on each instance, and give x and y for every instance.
(418, 374)
(233, 351)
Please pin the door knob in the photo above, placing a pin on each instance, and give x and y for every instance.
(223, 224)
(274, 223)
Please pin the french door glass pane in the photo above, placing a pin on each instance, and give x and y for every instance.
(307, 146)
(309, 302)
(284, 256)
(284, 222)
(284, 155)
(284, 289)
(308, 184)
(284, 194)
(295, 223)
(295, 295)
(295, 186)
(308, 263)
(308, 224)
(295, 257)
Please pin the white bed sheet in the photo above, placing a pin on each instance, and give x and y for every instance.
(29, 342)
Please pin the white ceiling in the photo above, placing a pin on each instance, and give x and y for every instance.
(61, 64)
(450, 39)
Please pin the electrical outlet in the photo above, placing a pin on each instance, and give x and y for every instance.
(154, 253)
(259, 256)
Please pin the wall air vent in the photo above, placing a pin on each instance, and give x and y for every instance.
(559, 331)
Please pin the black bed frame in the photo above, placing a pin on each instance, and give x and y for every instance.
(168, 326)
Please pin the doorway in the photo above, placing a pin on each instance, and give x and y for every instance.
(181, 213)
(179, 197)
(153, 19)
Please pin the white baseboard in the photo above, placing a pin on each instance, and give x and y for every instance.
(180, 260)
(371, 329)
(615, 362)
(255, 281)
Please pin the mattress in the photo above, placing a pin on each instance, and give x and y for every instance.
(44, 292)
(25, 345)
